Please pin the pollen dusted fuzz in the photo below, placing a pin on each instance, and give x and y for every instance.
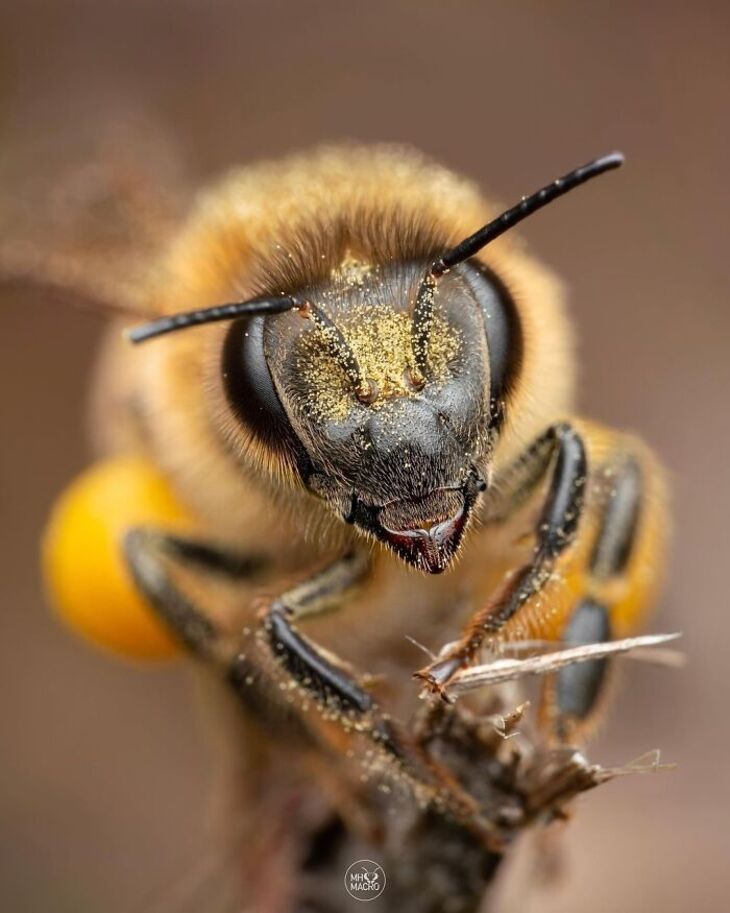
(373, 442)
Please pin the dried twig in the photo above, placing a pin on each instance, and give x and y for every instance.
(503, 670)
(674, 659)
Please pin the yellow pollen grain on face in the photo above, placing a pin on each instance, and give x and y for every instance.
(352, 272)
(380, 338)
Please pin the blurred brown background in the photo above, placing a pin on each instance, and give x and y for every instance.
(103, 770)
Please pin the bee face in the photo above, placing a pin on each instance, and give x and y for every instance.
(402, 454)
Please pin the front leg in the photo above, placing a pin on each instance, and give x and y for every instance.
(155, 557)
(167, 568)
(326, 678)
(563, 449)
(288, 682)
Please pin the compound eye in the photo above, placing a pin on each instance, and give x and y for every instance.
(251, 394)
(502, 326)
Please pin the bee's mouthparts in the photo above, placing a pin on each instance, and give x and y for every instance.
(426, 531)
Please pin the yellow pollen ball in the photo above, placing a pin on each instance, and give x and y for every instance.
(86, 575)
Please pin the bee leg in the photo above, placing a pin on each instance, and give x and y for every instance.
(326, 679)
(155, 559)
(262, 672)
(519, 480)
(324, 591)
(150, 554)
(571, 698)
(575, 691)
(561, 447)
(342, 701)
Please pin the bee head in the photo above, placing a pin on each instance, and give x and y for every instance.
(398, 449)
(383, 381)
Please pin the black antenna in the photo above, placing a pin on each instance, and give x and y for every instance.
(422, 311)
(525, 208)
(175, 322)
(337, 344)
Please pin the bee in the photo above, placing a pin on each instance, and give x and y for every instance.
(375, 440)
